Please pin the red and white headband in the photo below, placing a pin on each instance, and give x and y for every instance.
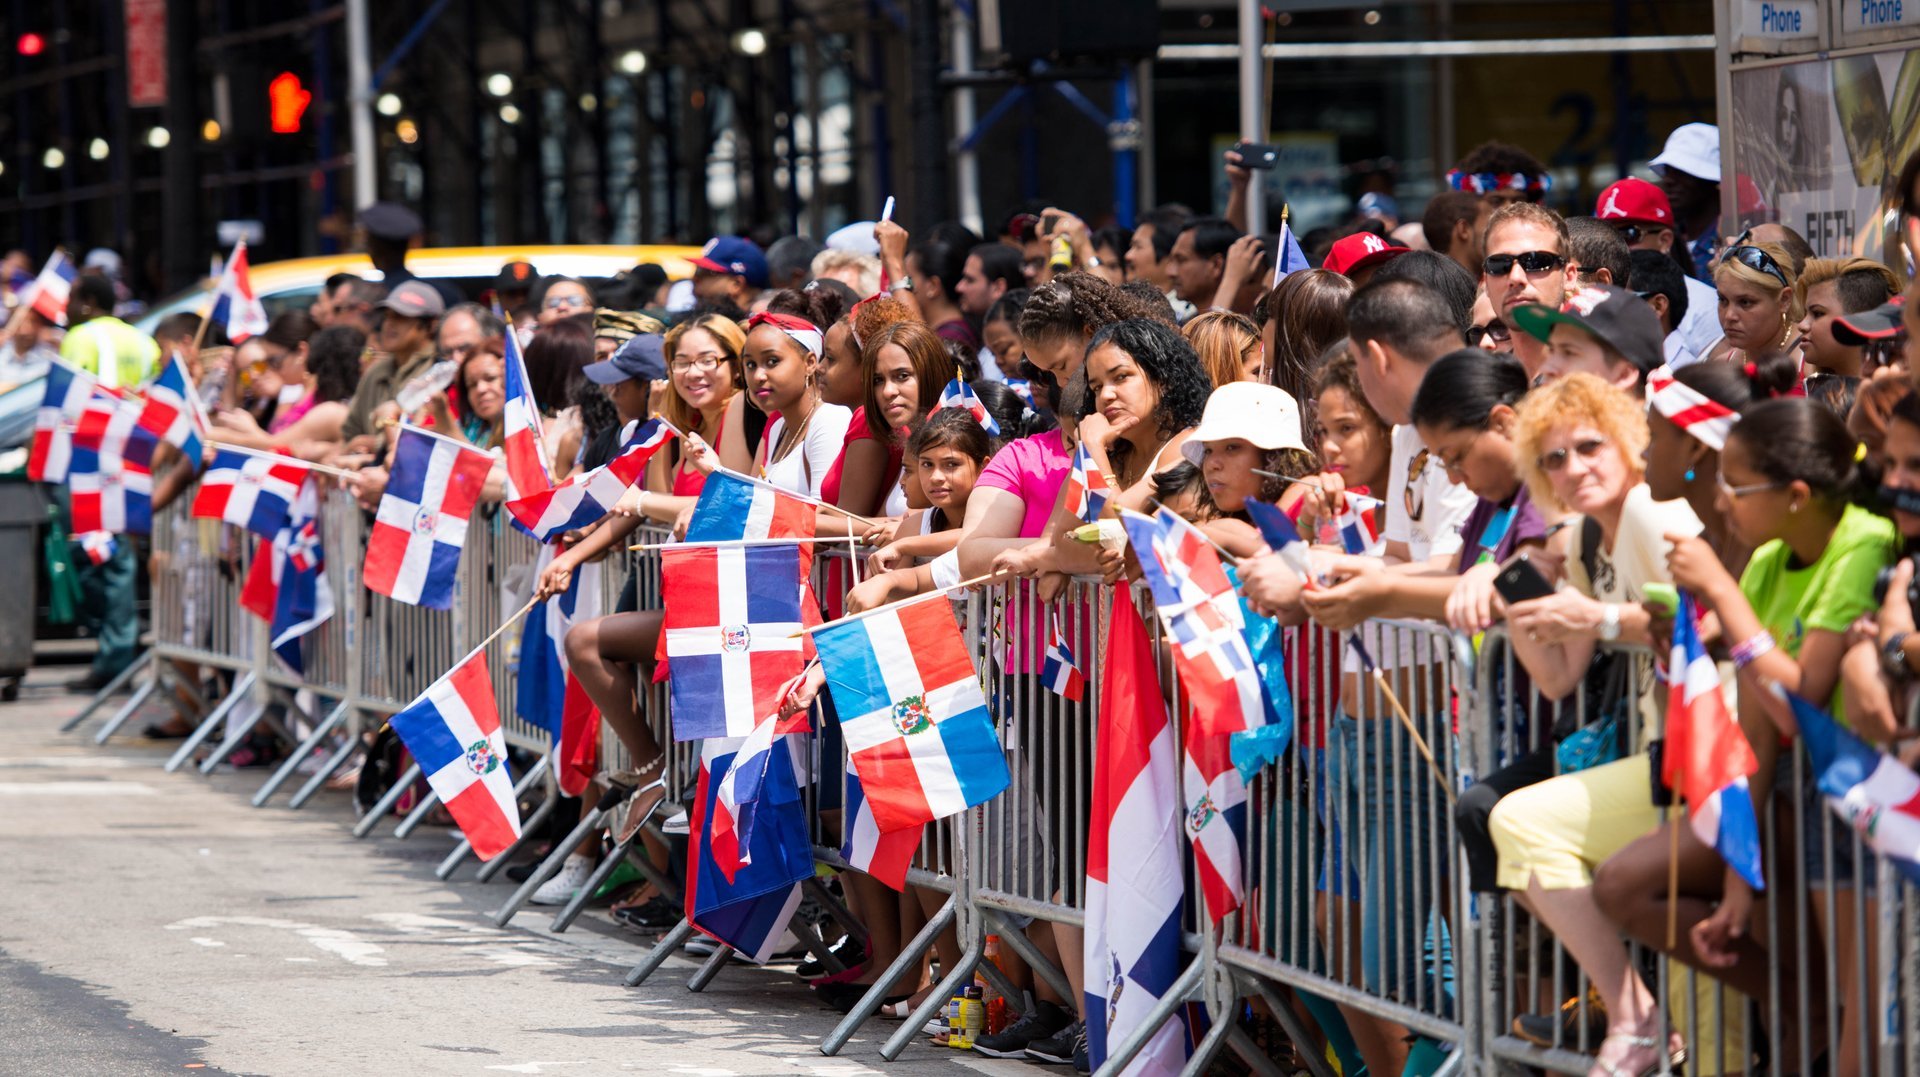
(801, 330)
(1707, 420)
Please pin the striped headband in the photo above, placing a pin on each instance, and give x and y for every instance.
(801, 330)
(1488, 182)
(1708, 421)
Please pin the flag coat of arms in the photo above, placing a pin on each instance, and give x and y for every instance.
(1135, 881)
(170, 410)
(865, 847)
(1868, 789)
(749, 911)
(1216, 797)
(48, 293)
(1059, 672)
(251, 491)
(521, 428)
(1707, 758)
(733, 614)
(582, 499)
(454, 734)
(413, 553)
(68, 392)
(958, 394)
(912, 713)
(734, 507)
(234, 303)
(110, 485)
(1087, 487)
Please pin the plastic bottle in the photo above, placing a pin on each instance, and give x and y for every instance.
(422, 386)
(968, 1020)
(996, 1004)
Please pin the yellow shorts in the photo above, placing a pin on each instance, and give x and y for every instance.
(1559, 830)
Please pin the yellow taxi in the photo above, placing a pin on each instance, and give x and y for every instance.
(296, 282)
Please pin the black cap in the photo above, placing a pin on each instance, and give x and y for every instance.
(1620, 319)
(516, 276)
(643, 357)
(1880, 323)
(390, 221)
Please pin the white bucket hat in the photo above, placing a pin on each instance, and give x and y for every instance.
(1693, 148)
(1263, 416)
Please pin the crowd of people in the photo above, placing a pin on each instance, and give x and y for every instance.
(1493, 382)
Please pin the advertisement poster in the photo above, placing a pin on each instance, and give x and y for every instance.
(1818, 144)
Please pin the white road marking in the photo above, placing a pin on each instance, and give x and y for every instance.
(75, 762)
(204, 941)
(342, 944)
(533, 1067)
(77, 789)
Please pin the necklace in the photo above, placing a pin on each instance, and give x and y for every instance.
(790, 436)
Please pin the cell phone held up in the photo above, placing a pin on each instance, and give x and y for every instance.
(1520, 580)
(1261, 155)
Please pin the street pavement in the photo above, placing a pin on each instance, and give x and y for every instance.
(156, 923)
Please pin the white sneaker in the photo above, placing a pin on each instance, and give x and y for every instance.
(676, 824)
(700, 945)
(571, 877)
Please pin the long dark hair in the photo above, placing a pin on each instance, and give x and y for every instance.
(333, 358)
(933, 368)
(1794, 439)
(555, 356)
(1461, 389)
(1169, 362)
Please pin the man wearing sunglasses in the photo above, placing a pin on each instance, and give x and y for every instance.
(1526, 262)
(1640, 212)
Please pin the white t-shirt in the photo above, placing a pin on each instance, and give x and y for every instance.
(1424, 508)
(1678, 354)
(1701, 326)
(807, 463)
(1639, 554)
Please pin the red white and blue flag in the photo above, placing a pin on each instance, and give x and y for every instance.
(234, 303)
(1868, 789)
(251, 490)
(111, 483)
(47, 295)
(885, 855)
(584, 498)
(958, 394)
(733, 618)
(170, 410)
(1216, 819)
(1135, 877)
(1087, 486)
(454, 734)
(1707, 758)
(1358, 524)
(1059, 672)
(413, 553)
(912, 713)
(68, 393)
(286, 585)
(733, 507)
(1277, 529)
(751, 910)
(99, 546)
(737, 800)
(521, 428)
(547, 692)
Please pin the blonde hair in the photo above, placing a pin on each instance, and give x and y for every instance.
(1765, 282)
(726, 333)
(1223, 339)
(1576, 400)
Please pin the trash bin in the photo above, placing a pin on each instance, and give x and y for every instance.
(23, 509)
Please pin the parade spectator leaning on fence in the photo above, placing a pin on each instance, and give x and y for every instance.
(405, 340)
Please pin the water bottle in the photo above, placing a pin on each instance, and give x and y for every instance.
(421, 387)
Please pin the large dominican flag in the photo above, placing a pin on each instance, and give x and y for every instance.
(749, 911)
(454, 734)
(234, 303)
(733, 614)
(1134, 878)
(915, 720)
(584, 498)
(111, 484)
(413, 554)
(250, 490)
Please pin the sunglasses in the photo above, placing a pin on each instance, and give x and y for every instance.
(1554, 460)
(1758, 260)
(1735, 492)
(1534, 263)
(555, 302)
(1630, 232)
(1496, 329)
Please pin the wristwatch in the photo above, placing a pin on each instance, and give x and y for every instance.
(1893, 658)
(1609, 622)
(904, 284)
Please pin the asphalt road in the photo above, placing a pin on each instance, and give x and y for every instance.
(156, 923)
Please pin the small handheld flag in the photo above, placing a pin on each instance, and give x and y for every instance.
(454, 734)
(1868, 789)
(582, 499)
(1292, 259)
(68, 392)
(254, 492)
(1059, 672)
(521, 428)
(1087, 487)
(99, 546)
(958, 394)
(1707, 758)
(47, 295)
(1276, 527)
(234, 303)
(413, 552)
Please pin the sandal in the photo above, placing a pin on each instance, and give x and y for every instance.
(645, 797)
(1676, 1056)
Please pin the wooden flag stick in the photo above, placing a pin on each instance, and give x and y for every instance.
(730, 543)
(496, 634)
(798, 497)
(1673, 878)
(937, 592)
(1420, 742)
(1360, 498)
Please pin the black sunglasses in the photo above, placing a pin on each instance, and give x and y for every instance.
(1630, 232)
(1760, 261)
(1533, 262)
(1496, 329)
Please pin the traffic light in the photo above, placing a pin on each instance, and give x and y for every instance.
(286, 103)
(31, 44)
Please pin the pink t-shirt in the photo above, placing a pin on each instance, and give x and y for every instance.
(1033, 469)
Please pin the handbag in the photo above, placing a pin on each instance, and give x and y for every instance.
(1609, 690)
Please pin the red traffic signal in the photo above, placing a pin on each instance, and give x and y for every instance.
(31, 44)
(287, 101)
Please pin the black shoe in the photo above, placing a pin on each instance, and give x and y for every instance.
(1562, 1029)
(155, 731)
(658, 914)
(87, 685)
(1058, 1048)
(848, 950)
(1041, 1022)
(844, 997)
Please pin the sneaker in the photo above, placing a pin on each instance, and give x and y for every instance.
(1058, 1048)
(571, 877)
(848, 951)
(1562, 1029)
(1082, 1061)
(676, 824)
(658, 914)
(1041, 1021)
(701, 945)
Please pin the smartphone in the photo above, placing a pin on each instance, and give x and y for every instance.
(1261, 155)
(1520, 581)
(1047, 222)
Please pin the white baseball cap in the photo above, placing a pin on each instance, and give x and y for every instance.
(1693, 148)
(1264, 416)
(856, 237)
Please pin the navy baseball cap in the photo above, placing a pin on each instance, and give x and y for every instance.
(643, 357)
(735, 256)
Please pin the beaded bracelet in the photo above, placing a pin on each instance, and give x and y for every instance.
(1745, 652)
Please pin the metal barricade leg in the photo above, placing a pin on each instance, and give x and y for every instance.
(1290, 1024)
(657, 956)
(571, 910)
(1149, 1026)
(236, 737)
(869, 1003)
(711, 968)
(306, 749)
(528, 827)
(111, 689)
(1017, 940)
(961, 973)
(1203, 1055)
(374, 814)
(561, 851)
(198, 737)
(129, 708)
(418, 815)
(327, 769)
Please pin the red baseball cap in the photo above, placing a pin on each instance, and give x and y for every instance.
(1361, 250)
(1634, 199)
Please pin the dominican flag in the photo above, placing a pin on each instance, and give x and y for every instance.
(582, 499)
(1059, 672)
(733, 507)
(303, 601)
(885, 855)
(170, 410)
(520, 425)
(1707, 757)
(1201, 612)
(731, 634)
(413, 554)
(1087, 488)
(1021, 388)
(1358, 524)
(454, 734)
(958, 394)
(250, 490)
(548, 694)
(915, 721)
(48, 293)
(1292, 259)
(68, 392)
(234, 304)
(99, 546)
(1135, 878)
(1276, 527)
(1216, 819)
(1868, 789)
(751, 910)
(738, 799)
(111, 484)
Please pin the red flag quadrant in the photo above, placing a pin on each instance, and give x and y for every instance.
(865, 847)
(68, 393)
(587, 497)
(1707, 759)
(111, 483)
(250, 491)
(749, 911)
(413, 553)
(454, 734)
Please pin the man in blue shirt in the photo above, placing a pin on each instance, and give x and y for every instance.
(1689, 171)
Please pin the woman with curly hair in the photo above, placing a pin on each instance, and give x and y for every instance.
(1228, 345)
(1062, 315)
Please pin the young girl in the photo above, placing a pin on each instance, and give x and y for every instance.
(1684, 462)
(1248, 427)
(1356, 449)
(946, 453)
